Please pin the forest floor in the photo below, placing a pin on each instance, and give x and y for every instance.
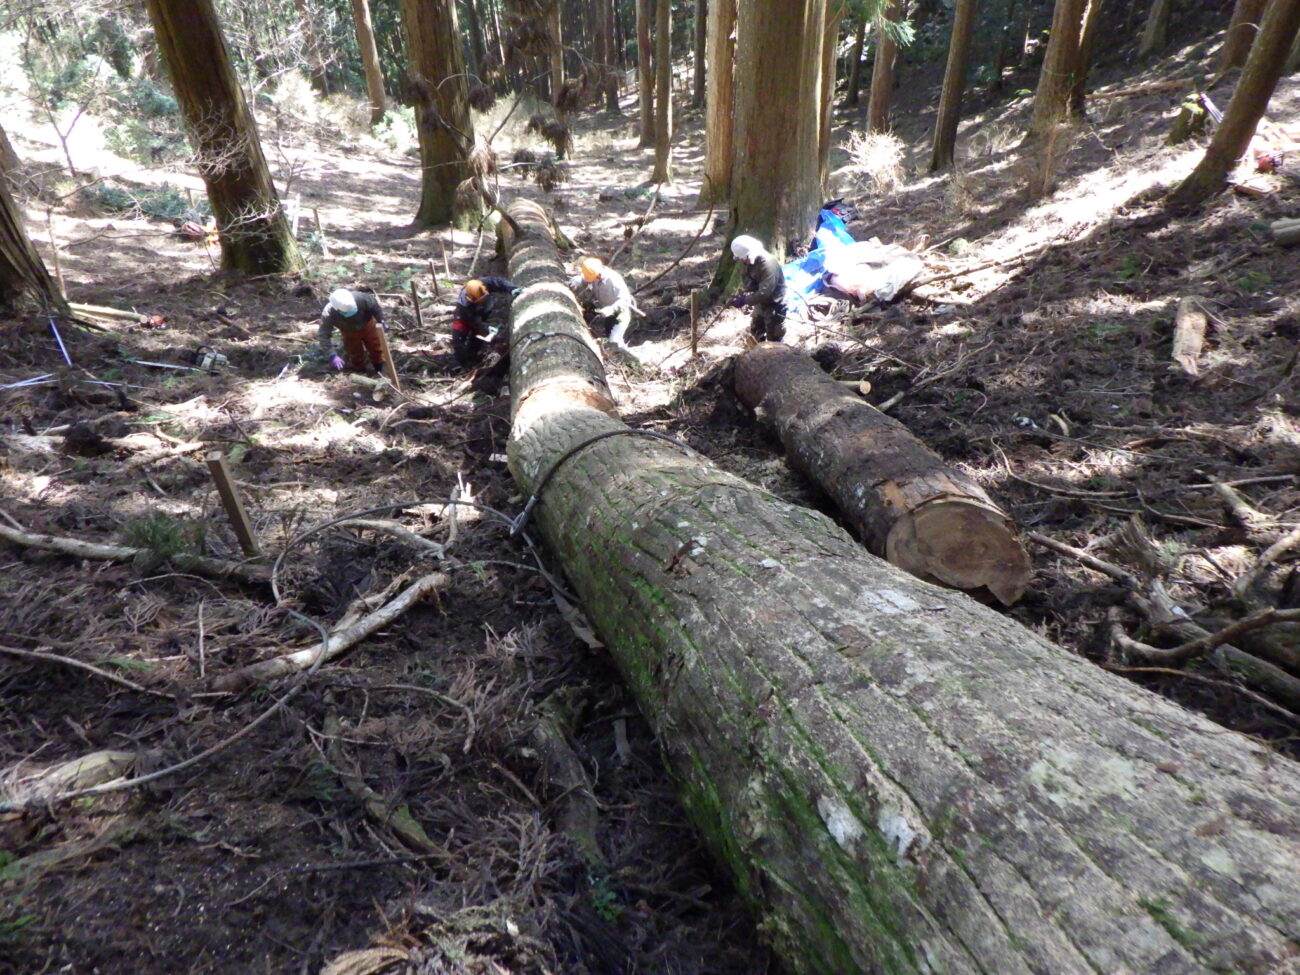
(1045, 375)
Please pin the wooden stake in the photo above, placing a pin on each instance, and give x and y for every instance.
(390, 367)
(446, 264)
(415, 302)
(695, 308)
(232, 502)
(320, 230)
(54, 249)
(433, 273)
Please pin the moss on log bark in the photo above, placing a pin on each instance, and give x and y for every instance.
(898, 494)
(899, 778)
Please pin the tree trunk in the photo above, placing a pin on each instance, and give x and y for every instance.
(1258, 79)
(775, 177)
(954, 84)
(1051, 100)
(315, 63)
(898, 778)
(663, 171)
(1002, 48)
(254, 233)
(1240, 35)
(700, 38)
(1083, 58)
(719, 110)
(899, 496)
(475, 50)
(855, 63)
(1155, 35)
(441, 107)
(370, 60)
(645, 78)
(21, 269)
(882, 72)
(9, 164)
(604, 24)
(828, 78)
(555, 31)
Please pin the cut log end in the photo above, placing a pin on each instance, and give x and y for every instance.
(961, 543)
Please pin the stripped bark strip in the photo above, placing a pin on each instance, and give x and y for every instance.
(899, 779)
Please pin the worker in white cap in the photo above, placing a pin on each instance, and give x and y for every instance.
(357, 317)
(764, 288)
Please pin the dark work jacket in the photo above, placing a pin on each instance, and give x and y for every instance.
(765, 282)
(368, 310)
(475, 314)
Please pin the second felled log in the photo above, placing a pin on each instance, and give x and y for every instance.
(898, 494)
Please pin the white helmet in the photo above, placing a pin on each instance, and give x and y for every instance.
(341, 301)
(746, 248)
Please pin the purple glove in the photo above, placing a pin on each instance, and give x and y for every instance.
(336, 362)
(738, 301)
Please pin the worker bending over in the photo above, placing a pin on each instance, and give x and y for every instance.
(604, 288)
(764, 289)
(471, 330)
(357, 316)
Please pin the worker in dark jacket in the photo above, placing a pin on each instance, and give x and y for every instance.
(470, 328)
(357, 316)
(764, 289)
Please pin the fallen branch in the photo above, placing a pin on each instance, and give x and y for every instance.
(78, 773)
(1148, 89)
(1189, 336)
(54, 658)
(1242, 585)
(105, 552)
(1203, 645)
(338, 641)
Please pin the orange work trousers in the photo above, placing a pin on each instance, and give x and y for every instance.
(363, 347)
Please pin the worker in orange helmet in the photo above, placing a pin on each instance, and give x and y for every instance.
(471, 332)
(604, 288)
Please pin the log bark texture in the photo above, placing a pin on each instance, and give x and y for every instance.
(899, 778)
(898, 494)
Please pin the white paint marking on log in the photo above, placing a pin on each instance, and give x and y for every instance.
(899, 833)
(843, 826)
(1220, 861)
(889, 602)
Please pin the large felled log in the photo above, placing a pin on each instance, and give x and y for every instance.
(899, 778)
(898, 494)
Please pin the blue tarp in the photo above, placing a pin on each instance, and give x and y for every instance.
(803, 277)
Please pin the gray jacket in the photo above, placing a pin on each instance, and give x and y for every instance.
(609, 292)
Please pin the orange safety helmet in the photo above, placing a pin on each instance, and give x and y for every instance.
(475, 290)
(591, 268)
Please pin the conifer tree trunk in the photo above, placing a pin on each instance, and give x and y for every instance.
(829, 64)
(897, 778)
(882, 73)
(1052, 98)
(663, 171)
(603, 21)
(776, 175)
(855, 63)
(1240, 34)
(253, 231)
(1083, 58)
(701, 34)
(954, 85)
(21, 269)
(315, 62)
(555, 31)
(1155, 33)
(719, 113)
(370, 60)
(645, 71)
(442, 106)
(1259, 78)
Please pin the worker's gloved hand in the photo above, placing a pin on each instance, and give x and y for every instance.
(738, 301)
(336, 362)
(516, 292)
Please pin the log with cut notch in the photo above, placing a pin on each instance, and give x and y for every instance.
(898, 778)
(898, 494)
